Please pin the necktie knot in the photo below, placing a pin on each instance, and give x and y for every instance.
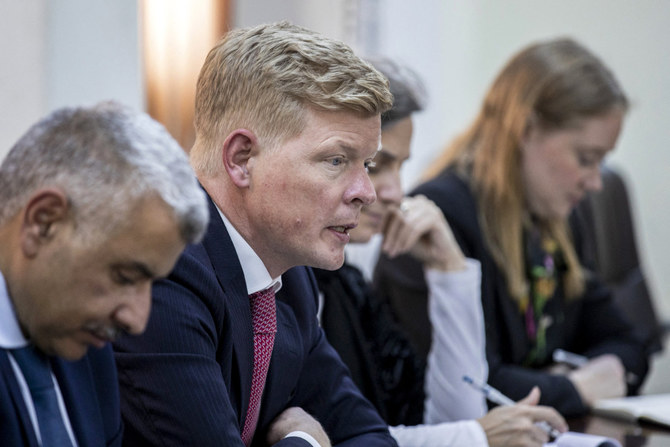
(35, 368)
(263, 311)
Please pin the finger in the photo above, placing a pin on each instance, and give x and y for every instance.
(548, 415)
(533, 398)
(539, 435)
(411, 229)
(404, 228)
(395, 220)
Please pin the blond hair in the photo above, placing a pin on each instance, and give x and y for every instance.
(554, 83)
(264, 77)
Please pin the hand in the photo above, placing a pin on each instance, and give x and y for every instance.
(418, 227)
(559, 369)
(602, 377)
(515, 426)
(296, 419)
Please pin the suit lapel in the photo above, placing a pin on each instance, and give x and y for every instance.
(15, 401)
(76, 384)
(228, 271)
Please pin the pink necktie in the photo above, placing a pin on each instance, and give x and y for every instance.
(263, 312)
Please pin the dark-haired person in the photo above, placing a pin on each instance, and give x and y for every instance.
(360, 327)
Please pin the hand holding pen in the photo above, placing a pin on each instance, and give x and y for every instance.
(577, 361)
(545, 418)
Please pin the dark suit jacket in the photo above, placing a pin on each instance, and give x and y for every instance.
(90, 392)
(591, 325)
(187, 379)
(363, 331)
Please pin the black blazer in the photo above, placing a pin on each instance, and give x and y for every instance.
(590, 326)
(364, 333)
(90, 393)
(187, 379)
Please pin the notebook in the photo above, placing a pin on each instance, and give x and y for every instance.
(653, 408)
(572, 439)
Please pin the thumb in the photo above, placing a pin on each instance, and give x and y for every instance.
(533, 398)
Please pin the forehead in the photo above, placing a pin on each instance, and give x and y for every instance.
(149, 237)
(602, 131)
(396, 138)
(351, 131)
(598, 132)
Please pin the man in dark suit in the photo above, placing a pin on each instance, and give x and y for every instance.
(287, 122)
(90, 215)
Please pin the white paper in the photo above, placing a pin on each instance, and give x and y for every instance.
(572, 439)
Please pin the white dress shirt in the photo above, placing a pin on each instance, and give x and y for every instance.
(458, 348)
(11, 337)
(257, 278)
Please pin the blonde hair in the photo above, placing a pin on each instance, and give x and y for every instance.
(264, 77)
(554, 83)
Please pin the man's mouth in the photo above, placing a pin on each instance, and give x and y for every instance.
(104, 334)
(344, 229)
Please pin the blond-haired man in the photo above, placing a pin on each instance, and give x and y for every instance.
(287, 122)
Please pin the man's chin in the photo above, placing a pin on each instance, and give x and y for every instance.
(71, 351)
(332, 263)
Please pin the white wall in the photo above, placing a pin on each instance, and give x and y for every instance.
(93, 53)
(65, 52)
(22, 77)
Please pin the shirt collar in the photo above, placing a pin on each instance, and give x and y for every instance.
(256, 275)
(11, 336)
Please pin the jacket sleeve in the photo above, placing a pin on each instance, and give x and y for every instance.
(325, 388)
(458, 348)
(173, 390)
(593, 326)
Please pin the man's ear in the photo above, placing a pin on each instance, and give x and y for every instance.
(42, 218)
(238, 148)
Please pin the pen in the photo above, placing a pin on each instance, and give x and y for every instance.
(499, 398)
(577, 361)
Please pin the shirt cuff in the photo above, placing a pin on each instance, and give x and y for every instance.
(472, 271)
(307, 437)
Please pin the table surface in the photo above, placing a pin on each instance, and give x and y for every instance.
(627, 433)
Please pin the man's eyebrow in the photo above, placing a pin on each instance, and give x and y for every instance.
(348, 148)
(385, 154)
(139, 267)
(601, 149)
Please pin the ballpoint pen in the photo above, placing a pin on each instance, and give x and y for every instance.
(499, 398)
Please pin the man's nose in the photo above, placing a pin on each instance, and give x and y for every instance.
(594, 181)
(362, 189)
(389, 189)
(133, 315)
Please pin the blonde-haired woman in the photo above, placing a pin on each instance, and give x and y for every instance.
(507, 186)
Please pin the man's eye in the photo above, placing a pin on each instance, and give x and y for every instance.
(122, 279)
(587, 160)
(336, 161)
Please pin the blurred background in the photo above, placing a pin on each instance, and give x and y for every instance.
(147, 54)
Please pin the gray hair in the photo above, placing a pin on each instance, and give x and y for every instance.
(105, 158)
(409, 92)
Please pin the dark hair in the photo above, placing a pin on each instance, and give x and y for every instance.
(409, 93)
